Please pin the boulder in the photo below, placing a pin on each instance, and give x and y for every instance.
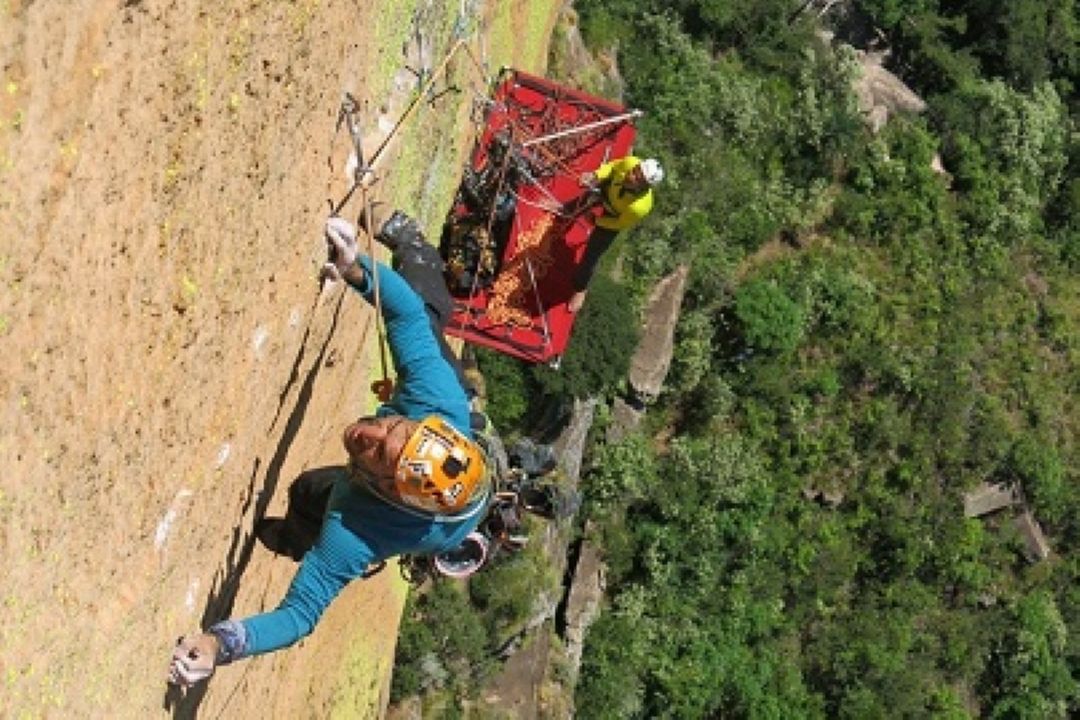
(652, 359)
(881, 94)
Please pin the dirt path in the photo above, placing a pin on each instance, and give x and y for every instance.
(168, 363)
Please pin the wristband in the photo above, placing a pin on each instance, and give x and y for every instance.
(232, 640)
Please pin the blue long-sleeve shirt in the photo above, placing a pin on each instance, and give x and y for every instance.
(359, 528)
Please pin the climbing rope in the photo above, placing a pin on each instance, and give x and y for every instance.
(383, 388)
(363, 177)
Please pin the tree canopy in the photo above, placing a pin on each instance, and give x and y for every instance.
(875, 325)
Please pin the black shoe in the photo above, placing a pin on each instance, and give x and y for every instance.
(275, 536)
(399, 232)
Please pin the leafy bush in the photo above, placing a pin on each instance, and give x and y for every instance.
(442, 644)
(1007, 151)
(509, 592)
(1042, 474)
(605, 335)
(619, 472)
(508, 387)
(1029, 676)
(771, 320)
(693, 350)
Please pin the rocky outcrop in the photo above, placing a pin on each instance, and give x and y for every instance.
(625, 418)
(1036, 546)
(827, 497)
(570, 445)
(652, 359)
(583, 602)
(990, 498)
(880, 93)
(525, 686)
(576, 65)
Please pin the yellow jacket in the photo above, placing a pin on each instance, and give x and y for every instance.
(623, 209)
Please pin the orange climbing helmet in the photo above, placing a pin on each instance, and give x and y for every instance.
(440, 470)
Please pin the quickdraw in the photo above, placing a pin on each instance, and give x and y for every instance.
(363, 176)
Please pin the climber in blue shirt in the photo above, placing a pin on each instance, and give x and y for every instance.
(416, 481)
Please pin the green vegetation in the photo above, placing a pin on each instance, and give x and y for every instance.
(864, 340)
(521, 395)
(914, 339)
(450, 631)
(861, 325)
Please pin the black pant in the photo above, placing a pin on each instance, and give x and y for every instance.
(420, 264)
(309, 496)
(599, 241)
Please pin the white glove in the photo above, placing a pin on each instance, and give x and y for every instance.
(341, 238)
(193, 659)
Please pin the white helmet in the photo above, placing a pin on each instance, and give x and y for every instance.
(651, 170)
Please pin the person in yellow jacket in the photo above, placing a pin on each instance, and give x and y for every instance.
(625, 187)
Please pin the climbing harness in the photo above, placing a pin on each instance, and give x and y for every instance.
(520, 490)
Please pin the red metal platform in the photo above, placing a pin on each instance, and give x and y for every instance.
(521, 186)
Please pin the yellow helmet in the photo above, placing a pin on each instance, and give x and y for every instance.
(440, 470)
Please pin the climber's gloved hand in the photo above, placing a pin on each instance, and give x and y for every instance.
(341, 248)
(193, 659)
(587, 180)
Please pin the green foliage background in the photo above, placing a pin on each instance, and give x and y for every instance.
(857, 324)
(864, 340)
